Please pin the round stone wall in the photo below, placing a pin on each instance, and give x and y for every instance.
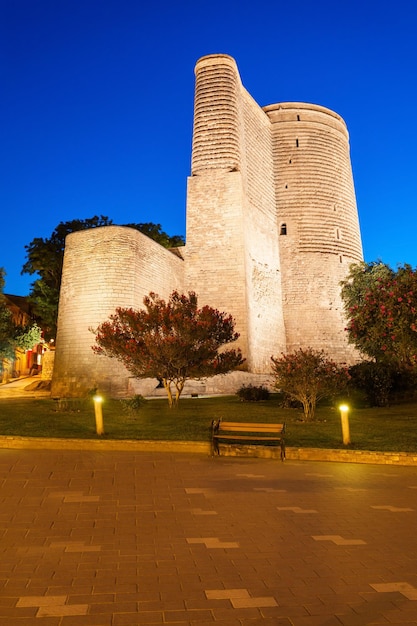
(216, 136)
(319, 234)
(104, 268)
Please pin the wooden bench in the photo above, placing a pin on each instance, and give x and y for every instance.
(243, 431)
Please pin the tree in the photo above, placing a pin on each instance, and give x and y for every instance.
(171, 341)
(309, 376)
(381, 309)
(7, 328)
(13, 336)
(26, 337)
(45, 258)
(155, 232)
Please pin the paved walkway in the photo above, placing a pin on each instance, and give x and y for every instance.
(19, 388)
(122, 538)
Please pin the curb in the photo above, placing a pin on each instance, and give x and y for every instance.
(200, 447)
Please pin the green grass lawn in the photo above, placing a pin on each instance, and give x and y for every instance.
(389, 429)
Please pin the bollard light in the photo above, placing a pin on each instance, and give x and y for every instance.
(344, 416)
(98, 410)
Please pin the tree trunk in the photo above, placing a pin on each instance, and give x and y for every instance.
(167, 385)
(309, 406)
(179, 384)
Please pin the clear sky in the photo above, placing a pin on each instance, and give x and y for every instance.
(96, 106)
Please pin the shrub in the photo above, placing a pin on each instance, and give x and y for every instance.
(309, 376)
(250, 393)
(133, 404)
(382, 383)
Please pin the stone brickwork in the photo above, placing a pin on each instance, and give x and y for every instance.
(272, 228)
(232, 245)
(104, 268)
(316, 205)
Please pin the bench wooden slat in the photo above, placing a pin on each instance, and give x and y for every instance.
(239, 431)
(252, 428)
(251, 437)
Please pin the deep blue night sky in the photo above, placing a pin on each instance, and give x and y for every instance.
(97, 103)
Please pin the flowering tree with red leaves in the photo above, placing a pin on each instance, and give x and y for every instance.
(171, 341)
(381, 308)
(309, 376)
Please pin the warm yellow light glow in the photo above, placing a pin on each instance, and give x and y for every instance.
(344, 417)
(98, 412)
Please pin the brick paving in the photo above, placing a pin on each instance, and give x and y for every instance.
(107, 538)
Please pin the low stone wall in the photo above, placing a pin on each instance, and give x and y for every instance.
(352, 456)
(202, 447)
(48, 360)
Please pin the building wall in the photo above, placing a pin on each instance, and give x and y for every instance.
(232, 257)
(104, 268)
(316, 203)
(215, 254)
(266, 328)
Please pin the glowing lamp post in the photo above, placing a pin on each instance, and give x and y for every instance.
(344, 416)
(98, 410)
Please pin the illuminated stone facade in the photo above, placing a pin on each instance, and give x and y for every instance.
(272, 228)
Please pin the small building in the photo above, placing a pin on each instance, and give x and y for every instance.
(26, 362)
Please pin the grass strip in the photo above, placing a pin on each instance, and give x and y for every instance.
(384, 429)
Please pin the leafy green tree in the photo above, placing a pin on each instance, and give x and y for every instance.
(7, 328)
(309, 376)
(171, 341)
(26, 337)
(155, 232)
(381, 309)
(45, 258)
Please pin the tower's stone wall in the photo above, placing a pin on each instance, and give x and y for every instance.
(272, 228)
(104, 268)
(215, 254)
(266, 328)
(232, 256)
(316, 210)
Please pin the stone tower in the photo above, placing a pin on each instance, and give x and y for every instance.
(232, 249)
(104, 268)
(272, 223)
(272, 228)
(318, 224)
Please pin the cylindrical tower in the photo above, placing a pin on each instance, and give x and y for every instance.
(216, 136)
(318, 223)
(215, 258)
(104, 268)
(232, 257)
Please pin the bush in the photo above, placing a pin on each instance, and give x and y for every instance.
(251, 393)
(133, 404)
(309, 377)
(374, 379)
(383, 383)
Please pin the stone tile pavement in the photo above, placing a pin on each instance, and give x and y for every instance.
(107, 538)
